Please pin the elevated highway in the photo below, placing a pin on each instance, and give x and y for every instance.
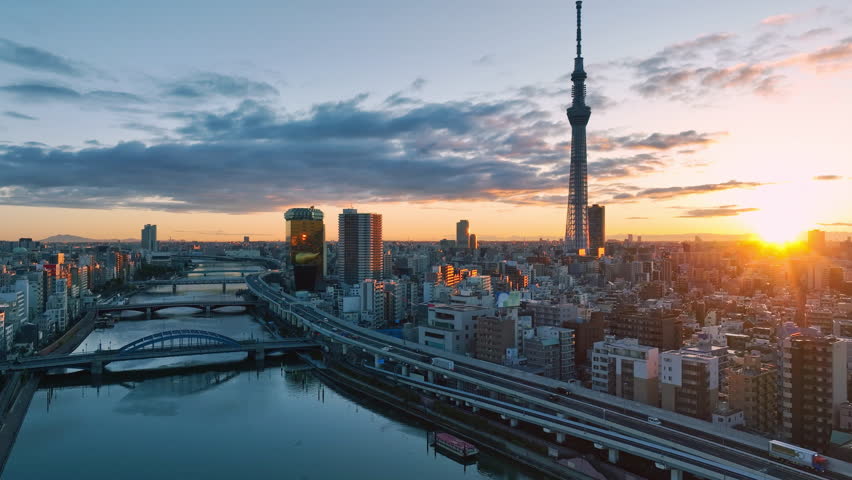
(745, 459)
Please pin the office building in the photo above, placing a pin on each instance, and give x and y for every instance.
(306, 244)
(149, 238)
(452, 328)
(626, 369)
(689, 383)
(462, 234)
(495, 335)
(655, 328)
(359, 248)
(577, 223)
(813, 387)
(597, 229)
(753, 388)
(551, 349)
(472, 243)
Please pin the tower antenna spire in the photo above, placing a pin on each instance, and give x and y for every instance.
(579, 34)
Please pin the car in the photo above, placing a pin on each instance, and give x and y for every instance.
(562, 390)
(386, 349)
(654, 421)
(553, 397)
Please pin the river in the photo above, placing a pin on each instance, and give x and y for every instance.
(281, 422)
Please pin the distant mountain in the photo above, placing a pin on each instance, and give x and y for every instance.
(65, 238)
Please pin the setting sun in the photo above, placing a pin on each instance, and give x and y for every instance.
(783, 214)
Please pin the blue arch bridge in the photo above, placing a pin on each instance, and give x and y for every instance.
(171, 343)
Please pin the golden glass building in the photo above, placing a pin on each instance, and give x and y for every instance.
(306, 241)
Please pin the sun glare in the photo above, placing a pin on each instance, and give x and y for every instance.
(783, 216)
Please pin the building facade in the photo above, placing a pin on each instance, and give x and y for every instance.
(813, 386)
(626, 369)
(149, 238)
(753, 388)
(359, 248)
(306, 244)
(689, 383)
(597, 229)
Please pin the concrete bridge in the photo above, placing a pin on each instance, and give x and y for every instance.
(206, 305)
(268, 262)
(172, 343)
(205, 273)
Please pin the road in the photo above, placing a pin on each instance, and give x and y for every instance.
(540, 394)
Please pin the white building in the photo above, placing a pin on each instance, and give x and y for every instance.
(452, 327)
(626, 369)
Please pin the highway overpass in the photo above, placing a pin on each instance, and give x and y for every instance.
(669, 444)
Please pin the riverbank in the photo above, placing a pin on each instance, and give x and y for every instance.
(18, 392)
(533, 453)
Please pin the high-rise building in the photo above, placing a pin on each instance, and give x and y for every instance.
(149, 238)
(816, 240)
(813, 387)
(597, 228)
(472, 243)
(577, 224)
(462, 234)
(359, 247)
(306, 243)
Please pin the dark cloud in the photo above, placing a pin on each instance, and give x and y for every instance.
(256, 159)
(204, 85)
(644, 163)
(664, 193)
(19, 116)
(145, 127)
(684, 71)
(42, 92)
(661, 141)
(36, 59)
(418, 84)
(722, 211)
(92, 142)
(828, 177)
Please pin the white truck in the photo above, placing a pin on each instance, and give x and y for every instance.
(444, 363)
(797, 455)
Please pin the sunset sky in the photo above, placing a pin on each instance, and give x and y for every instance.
(211, 118)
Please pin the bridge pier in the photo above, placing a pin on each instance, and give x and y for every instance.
(224, 287)
(430, 376)
(174, 288)
(613, 456)
(404, 371)
(207, 310)
(97, 367)
(376, 361)
(676, 474)
(148, 313)
(560, 437)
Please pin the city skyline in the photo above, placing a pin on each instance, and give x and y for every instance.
(481, 126)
